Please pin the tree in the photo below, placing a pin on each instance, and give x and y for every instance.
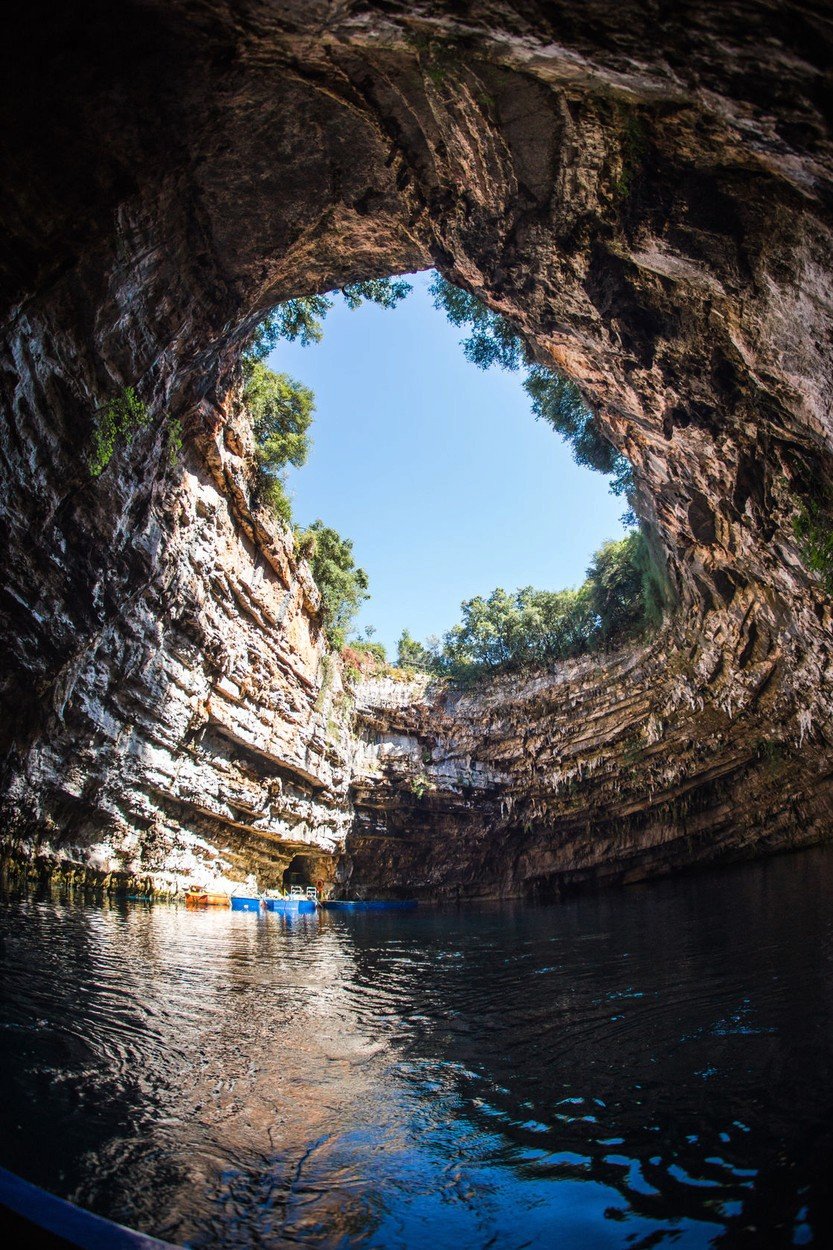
(343, 586)
(614, 581)
(364, 659)
(556, 399)
(281, 410)
(527, 629)
(116, 422)
(301, 318)
(412, 654)
(628, 589)
(386, 292)
(623, 596)
(492, 339)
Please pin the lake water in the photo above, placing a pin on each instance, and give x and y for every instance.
(630, 1069)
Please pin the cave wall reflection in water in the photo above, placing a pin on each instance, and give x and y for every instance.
(619, 1070)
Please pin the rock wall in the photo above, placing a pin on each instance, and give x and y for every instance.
(609, 770)
(202, 732)
(645, 190)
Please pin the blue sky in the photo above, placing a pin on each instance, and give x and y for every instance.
(435, 469)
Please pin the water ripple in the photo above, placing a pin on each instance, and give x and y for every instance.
(655, 1065)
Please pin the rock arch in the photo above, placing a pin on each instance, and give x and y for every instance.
(649, 199)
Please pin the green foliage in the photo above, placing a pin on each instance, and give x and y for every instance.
(376, 651)
(526, 629)
(657, 591)
(412, 654)
(386, 292)
(420, 785)
(327, 670)
(361, 658)
(813, 527)
(271, 494)
(492, 340)
(117, 421)
(304, 544)
(633, 150)
(294, 319)
(555, 398)
(623, 597)
(343, 586)
(301, 318)
(558, 401)
(616, 588)
(281, 410)
(174, 440)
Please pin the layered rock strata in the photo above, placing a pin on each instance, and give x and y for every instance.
(202, 733)
(608, 770)
(645, 191)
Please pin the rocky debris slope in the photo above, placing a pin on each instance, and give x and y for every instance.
(646, 192)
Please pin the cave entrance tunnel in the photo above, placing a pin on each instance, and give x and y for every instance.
(591, 211)
(305, 870)
(594, 225)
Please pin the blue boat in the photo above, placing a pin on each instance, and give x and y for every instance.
(239, 902)
(32, 1217)
(371, 904)
(290, 906)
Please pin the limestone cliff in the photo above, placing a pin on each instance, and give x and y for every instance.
(645, 189)
(201, 733)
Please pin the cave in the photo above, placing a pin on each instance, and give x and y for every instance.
(301, 870)
(470, 1042)
(639, 199)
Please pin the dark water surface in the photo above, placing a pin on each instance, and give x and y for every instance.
(637, 1068)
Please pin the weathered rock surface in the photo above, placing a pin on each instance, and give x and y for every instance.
(201, 732)
(645, 188)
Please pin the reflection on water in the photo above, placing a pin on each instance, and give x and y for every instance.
(624, 1070)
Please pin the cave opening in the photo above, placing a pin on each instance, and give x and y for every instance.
(303, 870)
(424, 457)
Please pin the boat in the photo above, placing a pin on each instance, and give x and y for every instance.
(32, 1217)
(199, 896)
(290, 906)
(242, 902)
(300, 900)
(370, 904)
